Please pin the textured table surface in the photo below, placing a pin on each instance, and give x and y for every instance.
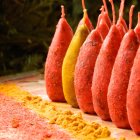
(34, 83)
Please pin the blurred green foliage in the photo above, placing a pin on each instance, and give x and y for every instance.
(27, 27)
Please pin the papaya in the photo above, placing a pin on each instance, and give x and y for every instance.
(103, 68)
(56, 53)
(133, 91)
(133, 95)
(117, 90)
(84, 70)
(70, 59)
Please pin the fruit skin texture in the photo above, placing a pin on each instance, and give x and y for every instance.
(85, 66)
(104, 16)
(53, 66)
(70, 62)
(103, 28)
(121, 30)
(122, 21)
(137, 28)
(107, 19)
(133, 95)
(121, 25)
(84, 71)
(117, 90)
(102, 72)
(103, 23)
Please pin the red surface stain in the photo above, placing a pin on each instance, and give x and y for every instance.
(19, 123)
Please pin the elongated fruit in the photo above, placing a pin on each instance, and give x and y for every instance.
(70, 60)
(117, 90)
(84, 70)
(53, 66)
(133, 95)
(103, 69)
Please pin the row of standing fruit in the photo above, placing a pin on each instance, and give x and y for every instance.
(97, 69)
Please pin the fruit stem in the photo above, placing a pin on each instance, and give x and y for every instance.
(62, 11)
(105, 6)
(83, 4)
(130, 16)
(121, 8)
(102, 9)
(113, 11)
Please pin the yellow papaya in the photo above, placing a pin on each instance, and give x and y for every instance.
(70, 59)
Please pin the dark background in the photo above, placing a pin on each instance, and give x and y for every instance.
(27, 27)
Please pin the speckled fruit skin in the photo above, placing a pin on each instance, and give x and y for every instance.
(56, 54)
(84, 71)
(104, 16)
(102, 72)
(103, 28)
(137, 28)
(133, 95)
(122, 27)
(117, 90)
(81, 33)
(69, 64)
